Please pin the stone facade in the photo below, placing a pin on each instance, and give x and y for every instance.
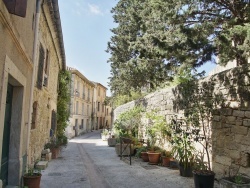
(81, 104)
(16, 68)
(99, 111)
(231, 123)
(50, 62)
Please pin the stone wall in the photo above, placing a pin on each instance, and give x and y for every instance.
(230, 125)
(46, 97)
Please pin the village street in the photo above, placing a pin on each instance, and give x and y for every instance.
(88, 162)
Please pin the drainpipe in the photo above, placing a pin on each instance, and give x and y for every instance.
(35, 64)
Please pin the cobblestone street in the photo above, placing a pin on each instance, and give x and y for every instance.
(88, 162)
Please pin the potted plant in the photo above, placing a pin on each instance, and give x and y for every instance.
(142, 153)
(54, 146)
(184, 151)
(105, 134)
(32, 178)
(236, 181)
(166, 156)
(201, 102)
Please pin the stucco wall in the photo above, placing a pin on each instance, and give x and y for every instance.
(16, 68)
(231, 123)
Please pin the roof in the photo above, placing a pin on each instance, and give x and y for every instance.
(75, 71)
(54, 12)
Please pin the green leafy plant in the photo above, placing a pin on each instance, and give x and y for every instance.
(64, 79)
(128, 123)
(31, 171)
(183, 148)
(158, 129)
(139, 150)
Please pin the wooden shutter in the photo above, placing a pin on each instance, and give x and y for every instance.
(16, 7)
(40, 68)
(53, 121)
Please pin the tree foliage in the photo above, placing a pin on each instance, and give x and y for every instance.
(63, 102)
(154, 39)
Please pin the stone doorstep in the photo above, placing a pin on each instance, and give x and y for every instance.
(42, 165)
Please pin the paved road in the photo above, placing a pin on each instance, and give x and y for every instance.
(87, 162)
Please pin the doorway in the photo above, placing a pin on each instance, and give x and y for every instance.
(6, 136)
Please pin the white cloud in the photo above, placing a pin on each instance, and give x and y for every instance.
(94, 9)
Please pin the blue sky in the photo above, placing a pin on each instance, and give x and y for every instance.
(86, 28)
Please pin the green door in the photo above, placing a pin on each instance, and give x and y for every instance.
(6, 136)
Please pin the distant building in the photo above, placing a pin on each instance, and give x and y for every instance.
(82, 91)
(99, 112)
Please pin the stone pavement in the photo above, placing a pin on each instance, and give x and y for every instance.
(88, 162)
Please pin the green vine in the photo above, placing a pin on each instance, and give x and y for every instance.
(63, 103)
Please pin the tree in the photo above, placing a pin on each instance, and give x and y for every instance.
(156, 38)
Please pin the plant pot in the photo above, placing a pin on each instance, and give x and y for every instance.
(32, 181)
(154, 157)
(228, 182)
(165, 161)
(186, 171)
(111, 142)
(144, 156)
(55, 153)
(203, 180)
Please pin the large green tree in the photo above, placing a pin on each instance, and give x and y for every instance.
(155, 39)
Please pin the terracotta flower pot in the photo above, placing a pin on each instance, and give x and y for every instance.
(153, 157)
(55, 152)
(32, 181)
(165, 161)
(144, 156)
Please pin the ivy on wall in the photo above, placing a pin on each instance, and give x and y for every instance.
(63, 102)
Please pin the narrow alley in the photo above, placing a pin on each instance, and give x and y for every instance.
(88, 162)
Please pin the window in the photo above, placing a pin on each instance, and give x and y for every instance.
(87, 110)
(98, 107)
(34, 115)
(17, 7)
(88, 94)
(53, 122)
(98, 91)
(40, 68)
(46, 70)
(82, 108)
(76, 107)
(43, 68)
(102, 107)
(83, 92)
(82, 124)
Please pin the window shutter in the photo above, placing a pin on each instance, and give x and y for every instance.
(16, 7)
(40, 68)
(53, 121)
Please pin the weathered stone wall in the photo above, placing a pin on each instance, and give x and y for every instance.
(230, 125)
(46, 97)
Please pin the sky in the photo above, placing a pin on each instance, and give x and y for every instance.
(86, 28)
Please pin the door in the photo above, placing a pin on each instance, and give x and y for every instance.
(6, 136)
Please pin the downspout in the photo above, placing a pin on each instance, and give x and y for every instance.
(35, 64)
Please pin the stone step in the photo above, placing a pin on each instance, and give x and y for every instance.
(42, 165)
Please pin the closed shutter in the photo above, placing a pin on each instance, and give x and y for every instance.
(40, 68)
(53, 121)
(16, 7)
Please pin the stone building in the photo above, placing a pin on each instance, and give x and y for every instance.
(21, 43)
(82, 91)
(99, 111)
(51, 59)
